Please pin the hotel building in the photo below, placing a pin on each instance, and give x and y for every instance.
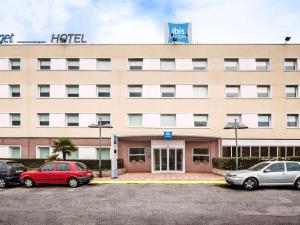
(48, 91)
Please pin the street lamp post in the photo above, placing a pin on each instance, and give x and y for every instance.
(100, 126)
(236, 127)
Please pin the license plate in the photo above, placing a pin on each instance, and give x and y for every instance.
(19, 171)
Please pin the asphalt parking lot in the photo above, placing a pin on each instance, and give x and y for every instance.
(150, 204)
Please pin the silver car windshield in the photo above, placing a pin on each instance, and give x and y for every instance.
(258, 166)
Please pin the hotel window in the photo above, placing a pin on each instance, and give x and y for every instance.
(232, 91)
(72, 90)
(103, 91)
(264, 120)
(14, 64)
(231, 64)
(263, 91)
(135, 64)
(135, 90)
(105, 119)
(72, 119)
(43, 119)
(230, 119)
(200, 120)
(168, 120)
(136, 154)
(201, 155)
(200, 91)
(105, 153)
(167, 64)
(135, 120)
(262, 64)
(290, 64)
(14, 90)
(15, 119)
(199, 64)
(104, 64)
(15, 152)
(44, 64)
(73, 64)
(292, 120)
(291, 91)
(44, 152)
(73, 155)
(44, 90)
(167, 91)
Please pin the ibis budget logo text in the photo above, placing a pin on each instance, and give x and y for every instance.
(178, 32)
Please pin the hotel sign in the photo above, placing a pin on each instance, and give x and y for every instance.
(68, 38)
(6, 38)
(168, 135)
(178, 33)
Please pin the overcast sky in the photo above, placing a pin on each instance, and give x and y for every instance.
(141, 21)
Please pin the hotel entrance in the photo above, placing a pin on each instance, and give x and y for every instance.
(167, 156)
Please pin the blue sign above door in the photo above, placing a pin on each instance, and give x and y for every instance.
(168, 135)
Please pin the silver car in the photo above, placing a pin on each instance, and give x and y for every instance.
(269, 173)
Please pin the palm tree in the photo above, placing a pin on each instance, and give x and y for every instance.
(65, 146)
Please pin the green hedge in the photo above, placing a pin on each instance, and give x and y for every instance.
(245, 163)
(92, 164)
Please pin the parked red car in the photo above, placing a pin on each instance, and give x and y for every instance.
(58, 172)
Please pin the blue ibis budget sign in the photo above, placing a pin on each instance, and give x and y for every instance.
(168, 135)
(178, 33)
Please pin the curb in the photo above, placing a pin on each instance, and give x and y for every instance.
(158, 182)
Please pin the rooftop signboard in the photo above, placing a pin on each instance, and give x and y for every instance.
(178, 33)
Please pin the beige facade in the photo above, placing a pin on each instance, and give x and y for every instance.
(151, 105)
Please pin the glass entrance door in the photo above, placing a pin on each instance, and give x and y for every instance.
(167, 159)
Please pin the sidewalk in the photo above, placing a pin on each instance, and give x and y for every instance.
(162, 178)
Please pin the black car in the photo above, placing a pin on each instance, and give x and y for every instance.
(10, 171)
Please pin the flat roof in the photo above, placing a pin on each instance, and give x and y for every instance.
(161, 137)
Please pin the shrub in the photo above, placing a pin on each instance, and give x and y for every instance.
(244, 163)
(92, 164)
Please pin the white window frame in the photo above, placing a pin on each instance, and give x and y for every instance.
(233, 115)
(71, 114)
(297, 120)
(75, 62)
(39, 90)
(135, 64)
(102, 121)
(260, 60)
(205, 155)
(294, 60)
(167, 114)
(73, 86)
(200, 86)
(199, 61)
(200, 115)
(269, 120)
(107, 66)
(164, 92)
(105, 86)
(135, 86)
(40, 62)
(12, 61)
(37, 152)
(232, 86)
(11, 119)
(39, 119)
(268, 91)
(15, 146)
(136, 154)
(136, 114)
(11, 87)
(227, 68)
(296, 90)
(167, 60)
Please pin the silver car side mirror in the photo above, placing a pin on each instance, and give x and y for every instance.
(267, 170)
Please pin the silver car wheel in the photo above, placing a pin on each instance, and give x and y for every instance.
(298, 184)
(28, 182)
(73, 182)
(250, 184)
(2, 183)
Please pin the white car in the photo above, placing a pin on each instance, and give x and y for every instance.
(269, 173)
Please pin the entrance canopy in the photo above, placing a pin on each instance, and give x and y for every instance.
(161, 137)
